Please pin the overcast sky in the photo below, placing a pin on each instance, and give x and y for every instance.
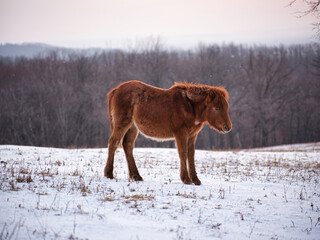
(179, 23)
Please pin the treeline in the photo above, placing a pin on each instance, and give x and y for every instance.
(59, 99)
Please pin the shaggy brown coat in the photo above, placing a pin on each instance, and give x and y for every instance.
(176, 114)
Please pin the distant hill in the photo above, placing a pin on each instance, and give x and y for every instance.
(30, 50)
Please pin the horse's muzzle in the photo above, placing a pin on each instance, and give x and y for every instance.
(226, 129)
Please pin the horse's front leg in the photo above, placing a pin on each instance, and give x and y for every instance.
(181, 144)
(191, 165)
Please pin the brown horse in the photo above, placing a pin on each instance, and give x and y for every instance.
(177, 113)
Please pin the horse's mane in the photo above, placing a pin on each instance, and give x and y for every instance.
(201, 89)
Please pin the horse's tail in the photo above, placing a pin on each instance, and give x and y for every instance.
(109, 99)
(110, 113)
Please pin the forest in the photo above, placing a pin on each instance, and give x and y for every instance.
(58, 99)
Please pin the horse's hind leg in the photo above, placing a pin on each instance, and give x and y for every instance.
(128, 145)
(114, 141)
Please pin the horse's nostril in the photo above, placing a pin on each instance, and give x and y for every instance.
(226, 128)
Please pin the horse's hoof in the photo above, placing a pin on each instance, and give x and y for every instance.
(196, 181)
(136, 178)
(108, 174)
(186, 181)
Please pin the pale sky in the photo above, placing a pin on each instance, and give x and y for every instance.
(179, 23)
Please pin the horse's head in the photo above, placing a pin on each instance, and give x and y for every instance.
(217, 111)
(214, 108)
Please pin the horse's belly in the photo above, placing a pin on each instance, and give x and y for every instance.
(152, 116)
(154, 131)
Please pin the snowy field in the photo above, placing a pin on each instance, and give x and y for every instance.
(267, 193)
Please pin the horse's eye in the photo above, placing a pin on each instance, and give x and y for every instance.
(217, 109)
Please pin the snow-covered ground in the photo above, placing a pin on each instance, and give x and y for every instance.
(270, 193)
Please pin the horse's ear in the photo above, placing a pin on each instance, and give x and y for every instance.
(195, 97)
(212, 95)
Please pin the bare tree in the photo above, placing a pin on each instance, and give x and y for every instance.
(268, 75)
(313, 8)
(59, 99)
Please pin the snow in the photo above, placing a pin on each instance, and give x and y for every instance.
(269, 193)
(292, 147)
